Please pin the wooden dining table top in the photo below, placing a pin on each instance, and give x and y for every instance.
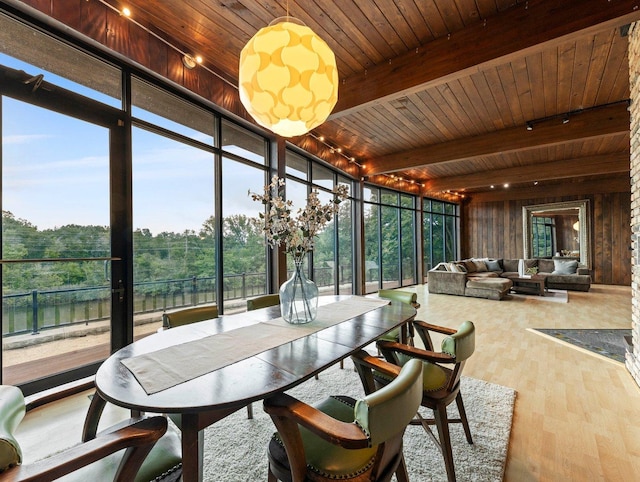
(257, 377)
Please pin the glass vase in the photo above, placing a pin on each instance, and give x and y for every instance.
(298, 297)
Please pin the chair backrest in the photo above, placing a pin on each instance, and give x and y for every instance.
(12, 411)
(461, 344)
(263, 302)
(174, 318)
(386, 412)
(407, 297)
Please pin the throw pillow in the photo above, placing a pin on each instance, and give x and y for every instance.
(480, 265)
(453, 267)
(493, 265)
(511, 265)
(461, 267)
(532, 270)
(562, 266)
(545, 265)
(470, 265)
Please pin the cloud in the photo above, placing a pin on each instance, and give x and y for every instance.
(23, 139)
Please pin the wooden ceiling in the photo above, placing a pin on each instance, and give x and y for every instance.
(442, 91)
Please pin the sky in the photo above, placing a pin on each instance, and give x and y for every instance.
(55, 172)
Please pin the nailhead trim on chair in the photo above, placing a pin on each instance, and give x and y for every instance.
(162, 477)
(324, 474)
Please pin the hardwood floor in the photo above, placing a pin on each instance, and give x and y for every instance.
(576, 414)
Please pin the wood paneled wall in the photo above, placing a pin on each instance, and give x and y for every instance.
(494, 229)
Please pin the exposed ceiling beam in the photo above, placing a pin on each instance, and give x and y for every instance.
(587, 188)
(521, 30)
(585, 166)
(598, 122)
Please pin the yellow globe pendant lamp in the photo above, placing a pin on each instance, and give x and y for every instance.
(288, 79)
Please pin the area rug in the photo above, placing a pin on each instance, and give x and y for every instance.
(605, 342)
(235, 447)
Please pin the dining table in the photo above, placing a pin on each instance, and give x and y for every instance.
(207, 370)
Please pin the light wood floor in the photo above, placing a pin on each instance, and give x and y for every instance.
(577, 415)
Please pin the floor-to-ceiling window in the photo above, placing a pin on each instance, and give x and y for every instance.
(440, 225)
(60, 135)
(389, 238)
(330, 264)
(245, 270)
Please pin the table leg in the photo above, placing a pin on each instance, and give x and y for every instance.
(192, 448)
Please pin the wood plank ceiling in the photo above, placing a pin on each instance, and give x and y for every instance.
(442, 91)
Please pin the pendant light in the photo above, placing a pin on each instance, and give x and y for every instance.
(288, 79)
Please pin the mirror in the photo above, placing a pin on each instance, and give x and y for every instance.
(560, 230)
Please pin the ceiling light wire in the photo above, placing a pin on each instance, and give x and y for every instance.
(169, 44)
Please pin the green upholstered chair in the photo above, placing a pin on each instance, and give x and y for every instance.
(400, 296)
(185, 316)
(263, 301)
(442, 372)
(343, 438)
(152, 452)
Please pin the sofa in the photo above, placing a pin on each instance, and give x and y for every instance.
(491, 278)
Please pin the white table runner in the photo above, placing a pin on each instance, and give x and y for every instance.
(167, 367)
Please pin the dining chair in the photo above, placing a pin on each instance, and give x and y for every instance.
(441, 383)
(263, 301)
(344, 438)
(185, 316)
(400, 296)
(152, 451)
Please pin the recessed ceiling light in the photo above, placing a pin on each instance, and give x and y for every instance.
(506, 184)
(492, 186)
(126, 12)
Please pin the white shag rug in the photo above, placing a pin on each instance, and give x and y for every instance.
(235, 448)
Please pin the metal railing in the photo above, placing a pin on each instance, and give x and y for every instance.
(37, 310)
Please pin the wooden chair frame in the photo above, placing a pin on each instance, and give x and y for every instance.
(435, 400)
(137, 436)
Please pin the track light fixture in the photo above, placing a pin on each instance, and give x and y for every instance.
(566, 116)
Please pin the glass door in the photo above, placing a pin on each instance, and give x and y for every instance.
(57, 257)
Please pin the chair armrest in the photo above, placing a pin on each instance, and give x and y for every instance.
(365, 365)
(57, 393)
(138, 438)
(423, 328)
(287, 412)
(362, 358)
(439, 329)
(390, 348)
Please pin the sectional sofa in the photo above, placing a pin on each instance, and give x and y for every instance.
(490, 278)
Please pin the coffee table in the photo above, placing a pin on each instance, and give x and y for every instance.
(533, 285)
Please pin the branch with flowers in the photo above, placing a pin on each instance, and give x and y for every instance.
(296, 233)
